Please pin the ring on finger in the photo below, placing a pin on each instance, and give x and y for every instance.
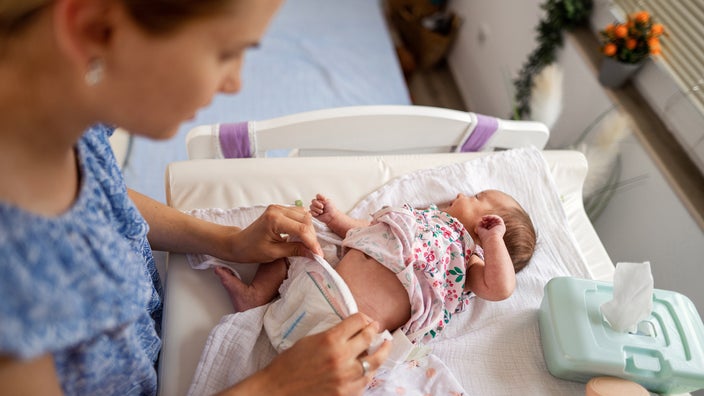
(365, 367)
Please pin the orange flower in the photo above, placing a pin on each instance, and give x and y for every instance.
(621, 31)
(657, 29)
(642, 17)
(654, 46)
(633, 40)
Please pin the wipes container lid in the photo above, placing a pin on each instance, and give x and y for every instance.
(665, 355)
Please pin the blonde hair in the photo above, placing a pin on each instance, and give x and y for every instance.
(154, 16)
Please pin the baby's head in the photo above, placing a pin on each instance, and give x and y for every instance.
(520, 234)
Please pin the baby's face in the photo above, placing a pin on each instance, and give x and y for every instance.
(469, 210)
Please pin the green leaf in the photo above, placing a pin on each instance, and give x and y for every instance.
(560, 15)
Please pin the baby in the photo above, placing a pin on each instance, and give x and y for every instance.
(412, 269)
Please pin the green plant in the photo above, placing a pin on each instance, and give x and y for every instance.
(560, 15)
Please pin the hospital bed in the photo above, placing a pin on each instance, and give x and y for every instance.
(506, 357)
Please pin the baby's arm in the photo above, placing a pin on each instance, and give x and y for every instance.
(494, 278)
(324, 210)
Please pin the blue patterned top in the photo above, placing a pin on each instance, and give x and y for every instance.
(83, 285)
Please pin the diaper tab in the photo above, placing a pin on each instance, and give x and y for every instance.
(401, 348)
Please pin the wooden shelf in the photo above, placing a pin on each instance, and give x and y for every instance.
(670, 157)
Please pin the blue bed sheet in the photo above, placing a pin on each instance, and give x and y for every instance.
(316, 54)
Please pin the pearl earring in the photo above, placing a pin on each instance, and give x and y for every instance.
(95, 72)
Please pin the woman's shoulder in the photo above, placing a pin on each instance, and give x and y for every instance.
(71, 272)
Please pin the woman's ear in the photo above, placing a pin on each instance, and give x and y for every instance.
(83, 29)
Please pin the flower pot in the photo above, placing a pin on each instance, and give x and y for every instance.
(614, 74)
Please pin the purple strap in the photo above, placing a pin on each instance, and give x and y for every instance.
(486, 126)
(234, 140)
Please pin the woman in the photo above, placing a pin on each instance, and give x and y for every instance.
(80, 296)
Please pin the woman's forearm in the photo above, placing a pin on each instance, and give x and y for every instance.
(174, 231)
(262, 241)
(36, 376)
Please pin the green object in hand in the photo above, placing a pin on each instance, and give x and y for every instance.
(299, 203)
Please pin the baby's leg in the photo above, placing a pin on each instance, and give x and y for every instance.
(324, 210)
(263, 288)
(377, 290)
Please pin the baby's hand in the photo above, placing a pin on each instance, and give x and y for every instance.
(323, 209)
(491, 225)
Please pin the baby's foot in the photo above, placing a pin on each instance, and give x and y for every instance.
(323, 209)
(263, 288)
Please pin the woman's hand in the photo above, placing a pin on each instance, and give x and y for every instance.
(174, 231)
(327, 363)
(265, 239)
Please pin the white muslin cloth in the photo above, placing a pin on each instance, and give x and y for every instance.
(491, 348)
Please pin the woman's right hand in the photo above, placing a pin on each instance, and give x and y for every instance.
(264, 241)
(327, 363)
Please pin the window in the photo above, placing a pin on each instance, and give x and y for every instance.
(683, 47)
(674, 83)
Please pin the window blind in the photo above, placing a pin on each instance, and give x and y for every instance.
(683, 46)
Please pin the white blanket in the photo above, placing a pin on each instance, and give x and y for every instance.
(493, 348)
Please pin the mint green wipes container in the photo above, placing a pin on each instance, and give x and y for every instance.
(665, 354)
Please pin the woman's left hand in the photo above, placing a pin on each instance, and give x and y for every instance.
(333, 362)
(265, 239)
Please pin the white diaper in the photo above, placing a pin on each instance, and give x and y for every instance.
(313, 299)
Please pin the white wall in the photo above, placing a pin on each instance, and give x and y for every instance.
(483, 41)
(645, 221)
(490, 50)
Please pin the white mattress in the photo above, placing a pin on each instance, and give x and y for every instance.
(195, 301)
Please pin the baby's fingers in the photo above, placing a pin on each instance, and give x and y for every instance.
(490, 221)
(316, 207)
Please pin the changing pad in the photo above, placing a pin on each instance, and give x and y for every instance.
(490, 340)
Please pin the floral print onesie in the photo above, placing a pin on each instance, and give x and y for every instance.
(427, 249)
